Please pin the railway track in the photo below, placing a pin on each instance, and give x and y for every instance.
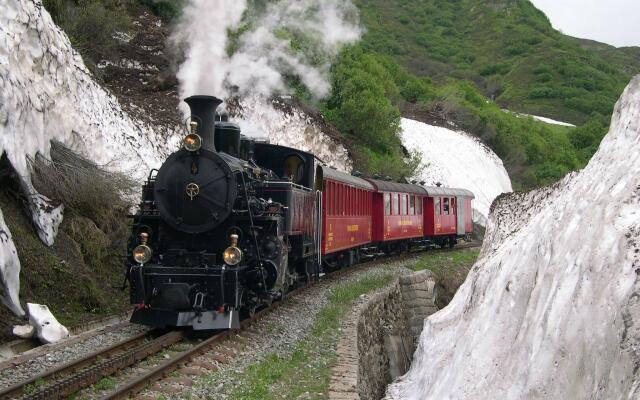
(69, 378)
(76, 375)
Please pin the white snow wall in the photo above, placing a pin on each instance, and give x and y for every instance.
(47, 93)
(551, 310)
(457, 159)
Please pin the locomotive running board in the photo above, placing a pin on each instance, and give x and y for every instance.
(207, 320)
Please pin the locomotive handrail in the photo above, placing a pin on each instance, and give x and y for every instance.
(267, 183)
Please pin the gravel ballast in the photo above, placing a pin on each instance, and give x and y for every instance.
(281, 331)
(64, 354)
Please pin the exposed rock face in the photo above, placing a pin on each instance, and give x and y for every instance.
(550, 310)
(47, 327)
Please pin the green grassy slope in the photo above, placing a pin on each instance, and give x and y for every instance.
(507, 48)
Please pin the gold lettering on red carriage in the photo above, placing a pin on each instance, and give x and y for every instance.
(193, 190)
(353, 228)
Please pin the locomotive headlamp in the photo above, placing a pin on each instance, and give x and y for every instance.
(192, 142)
(142, 254)
(232, 255)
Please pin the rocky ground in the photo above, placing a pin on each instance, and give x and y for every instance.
(143, 76)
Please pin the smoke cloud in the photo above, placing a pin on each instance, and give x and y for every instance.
(286, 38)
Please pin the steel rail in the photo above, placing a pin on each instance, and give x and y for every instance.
(72, 366)
(96, 371)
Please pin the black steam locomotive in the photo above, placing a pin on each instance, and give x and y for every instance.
(226, 225)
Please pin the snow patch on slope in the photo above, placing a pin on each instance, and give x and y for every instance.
(293, 128)
(47, 93)
(9, 270)
(541, 119)
(551, 308)
(459, 160)
(552, 121)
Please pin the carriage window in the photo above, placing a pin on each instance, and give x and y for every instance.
(339, 201)
(437, 206)
(327, 198)
(454, 206)
(445, 206)
(336, 199)
(354, 201)
(403, 204)
(419, 205)
(351, 202)
(412, 205)
(343, 199)
(396, 205)
(387, 203)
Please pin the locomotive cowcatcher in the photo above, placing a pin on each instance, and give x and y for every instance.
(226, 225)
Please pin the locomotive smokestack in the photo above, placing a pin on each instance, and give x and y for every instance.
(203, 111)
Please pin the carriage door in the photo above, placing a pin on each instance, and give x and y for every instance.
(460, 215)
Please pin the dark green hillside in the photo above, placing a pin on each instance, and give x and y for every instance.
(625, 58)
(507, 48)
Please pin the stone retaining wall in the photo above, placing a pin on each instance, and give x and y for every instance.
(379, 335)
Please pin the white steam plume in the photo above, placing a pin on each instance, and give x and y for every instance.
(202, 34)
(316, 29)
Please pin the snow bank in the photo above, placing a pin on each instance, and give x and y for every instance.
(552, 121)
(293, 128)
(47, 93)
(459, 160)
(550, 310)
(540, 119)
(47, 327)
(24, 331)
(9, 270)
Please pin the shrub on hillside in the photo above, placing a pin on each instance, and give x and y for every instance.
(91, 25)
(166, 9)
(86, 189)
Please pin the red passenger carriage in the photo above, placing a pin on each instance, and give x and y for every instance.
(346, 210)
(397, 213)
(447, 214)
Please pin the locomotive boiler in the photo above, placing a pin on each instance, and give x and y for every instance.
(226, 225)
